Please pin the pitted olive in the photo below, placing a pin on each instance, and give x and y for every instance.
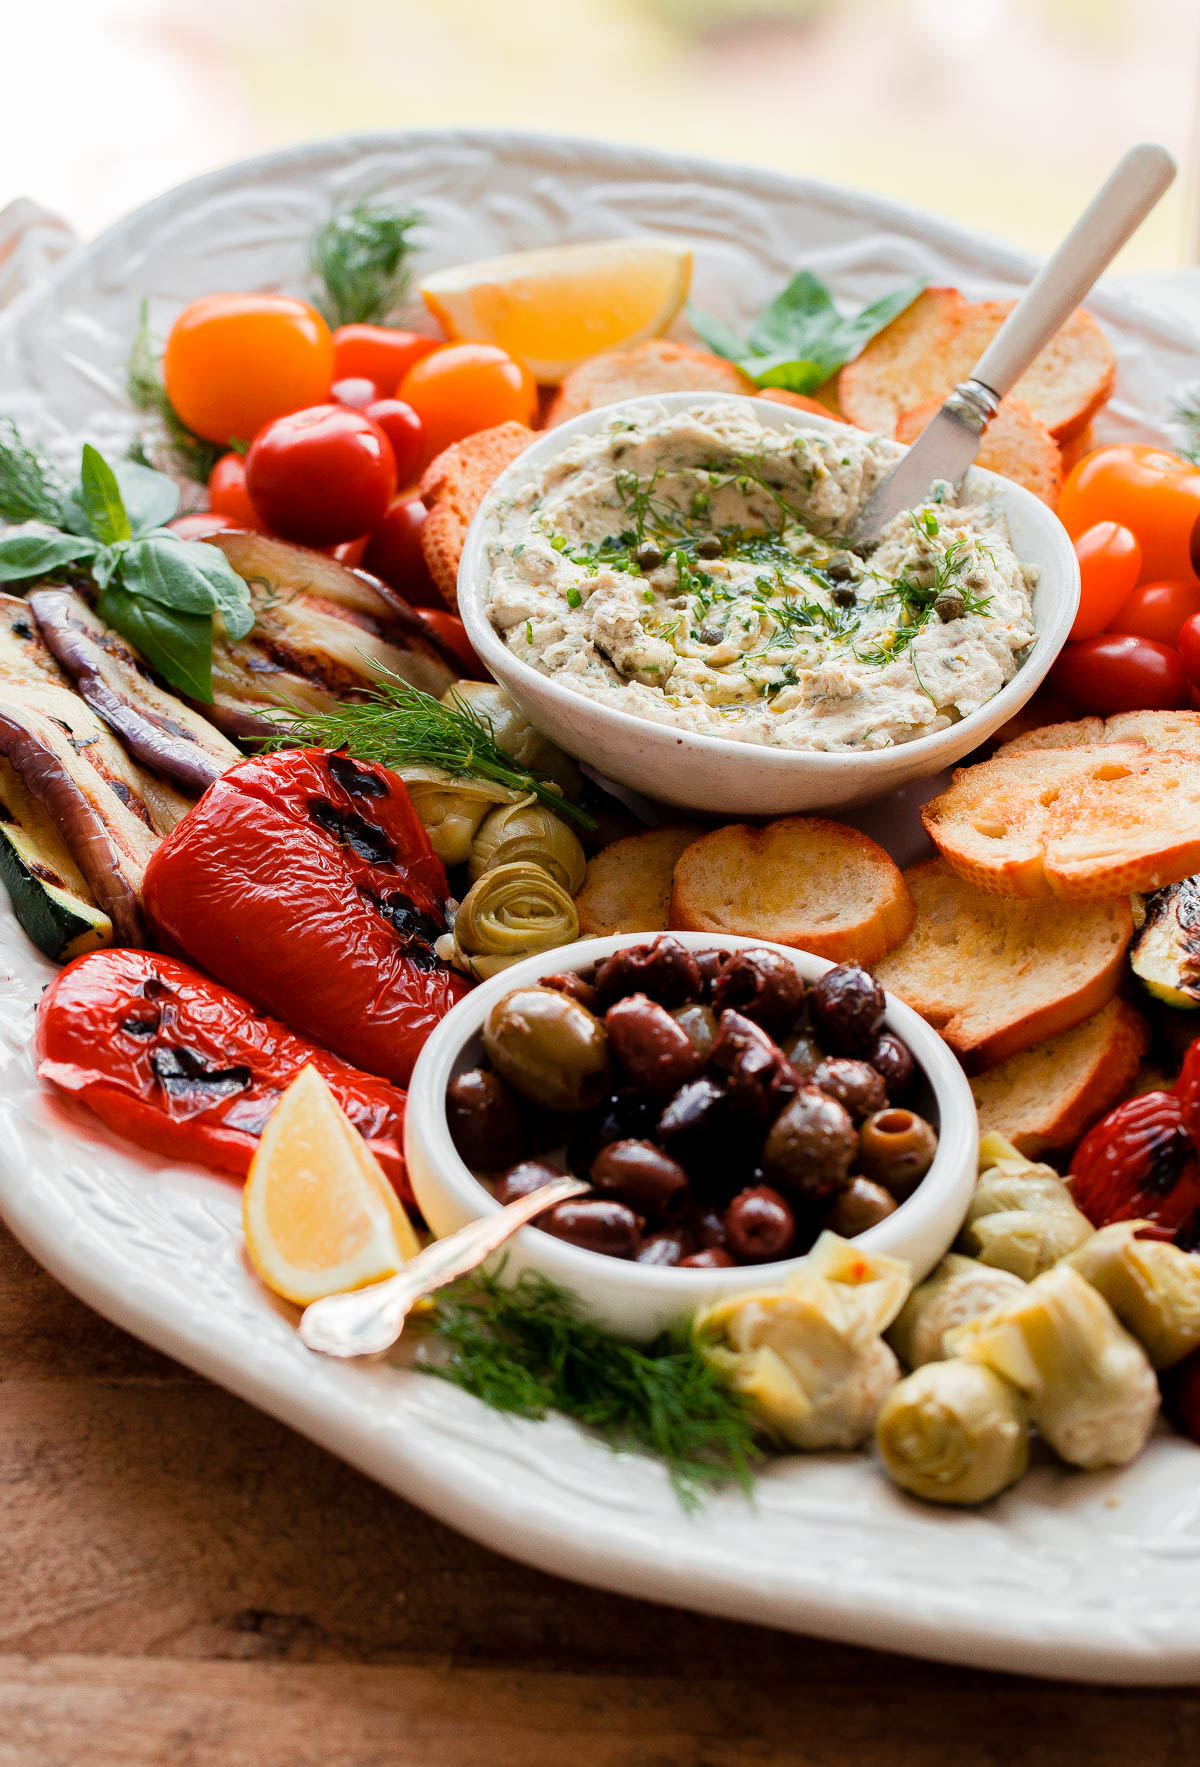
(662, 970)
(896, 1149)
(761, 984)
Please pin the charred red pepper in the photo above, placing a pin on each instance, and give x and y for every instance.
(1140, 1162)
(187, 1069)
(305, 880)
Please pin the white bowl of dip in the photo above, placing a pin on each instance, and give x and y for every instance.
(725, 776)
(639, 1300)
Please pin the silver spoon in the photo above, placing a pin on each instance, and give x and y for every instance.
(368, 1320)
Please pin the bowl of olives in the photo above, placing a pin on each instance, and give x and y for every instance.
(728, 1100)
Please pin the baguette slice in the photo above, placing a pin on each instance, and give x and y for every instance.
(1044, 1099)
(995, 975)
(1016, 444)
(1085, 823)
(659, 365)
(628, 884)
(1176, 732)
(454, 484)
(799, 881)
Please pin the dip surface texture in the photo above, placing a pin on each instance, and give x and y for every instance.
(688, 568)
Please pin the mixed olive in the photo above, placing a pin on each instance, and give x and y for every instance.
(722, 1112)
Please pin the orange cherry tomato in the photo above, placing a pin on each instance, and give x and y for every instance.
(227, 493)
(1110, 562)
(235, 361)
(376, 352)
(1146, 489)
(1158, 611)
(461, 388)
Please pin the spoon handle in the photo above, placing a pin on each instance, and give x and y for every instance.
(1114, 213)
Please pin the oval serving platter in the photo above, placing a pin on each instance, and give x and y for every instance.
(1085, 1575)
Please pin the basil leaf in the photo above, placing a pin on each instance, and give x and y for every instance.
(35, 555)
(232, 595)
(799, 318)
(107, 563)
(717, 335)
(858, 330)
(178, 645)
(161, 569)
(93, 505)
(794, 377)
(150, 497)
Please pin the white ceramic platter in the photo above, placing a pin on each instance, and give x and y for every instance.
(1088, 1575)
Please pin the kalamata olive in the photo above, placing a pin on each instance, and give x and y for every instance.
(655, 1052)
(696, 1110)
(759, 1225)
(642, 1175)
(862, 1204)
(896, 1149)
(846, 1008)
(663, 970)
(708, 1228)
(757, 1074)
(893, 1060)
(626, 1115)
(551, 1049)
(710, 964)
(573, 986)
(661, 1248)
(811, 1146)
(484, 1120)
(712, 1257)
(598, 1224)
(522, 1179)
(763, 985)
(853, 1083)
(700, 1023)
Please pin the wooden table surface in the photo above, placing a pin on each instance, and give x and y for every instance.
(186, 1582)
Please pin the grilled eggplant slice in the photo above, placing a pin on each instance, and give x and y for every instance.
(49, 894)
(155, 727)
(1165, 955)
(322, 633)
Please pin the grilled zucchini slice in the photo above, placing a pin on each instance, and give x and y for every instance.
(49, 895)
(1165, 955)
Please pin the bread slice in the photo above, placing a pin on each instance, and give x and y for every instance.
(995, 975)
(1087, 822)
(1047, 1097)
(937, 341)
(799, 881)
(455, 483)
(1016, 444)
(659, 365)
(1176, 732)
(628, 884)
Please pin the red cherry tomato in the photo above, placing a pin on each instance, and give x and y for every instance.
(1110, 560)
(376, 352)
(1157, 610)
(450, 632)
(1154, 493)
(394, 553)
(350, 551)
(227, 493)
(1118, 673)
(1188, 645)
(354, 392)
(235, 361)
(322, 475)
(461, 388)
(402, 427)
(200, 523)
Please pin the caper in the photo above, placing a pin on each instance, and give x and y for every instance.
(648, 556)
(843, 596)
(709, 547)
(840, 565)
(976, 579)
(950, 605)
(549, 1048)
(710, 635)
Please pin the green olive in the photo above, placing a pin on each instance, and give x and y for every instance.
(861, 1205)
(549, 1048)
(700, 1023)
(803, 1051)
(896, 1149)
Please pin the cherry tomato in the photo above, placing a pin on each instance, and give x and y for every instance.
(1188, 644)
(1110, 561)
(322, 475)
(200, 523)
(1154, 493)
(450, 632)
(394, 553)
(461, 388)
(1157, 610)
(1115, 672)
(235, 361)
(354, 392)
(376, 352)
(402, 427)
(227, 493)
(350, 552)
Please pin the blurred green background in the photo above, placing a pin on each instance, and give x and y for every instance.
(1004, 114)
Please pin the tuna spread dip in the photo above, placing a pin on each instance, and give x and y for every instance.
(689, 568)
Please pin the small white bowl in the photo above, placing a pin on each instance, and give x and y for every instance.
(638, 1301)
(714, 773)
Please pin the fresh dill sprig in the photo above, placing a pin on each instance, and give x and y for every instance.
(525, 1350)
(361, 257)
(187, 452)
(1187, 415)
(30, 489)
(399, 726)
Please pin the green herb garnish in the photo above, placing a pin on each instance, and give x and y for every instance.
(525, 1350)
(361, 256)
(800, 339)
(399, 726)
(156, 589)
(1187, 414)
(186, 451)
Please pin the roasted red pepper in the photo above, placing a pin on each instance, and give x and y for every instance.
(305, 880)
(185, 1068)
(1140, 1162)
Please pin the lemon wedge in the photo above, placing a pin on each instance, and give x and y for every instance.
(320, 1216)
(555, 308)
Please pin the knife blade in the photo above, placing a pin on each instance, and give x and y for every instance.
(945, 448)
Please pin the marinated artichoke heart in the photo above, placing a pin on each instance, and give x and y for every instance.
(954, 1432)
(1165, 955)
(1091, 1391)
(512, 912)
(1153, 1287)
(451, 809)
(528, 831)
(959, 1290)
(810, 1356)
(515, 734)
(1021, 1217)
